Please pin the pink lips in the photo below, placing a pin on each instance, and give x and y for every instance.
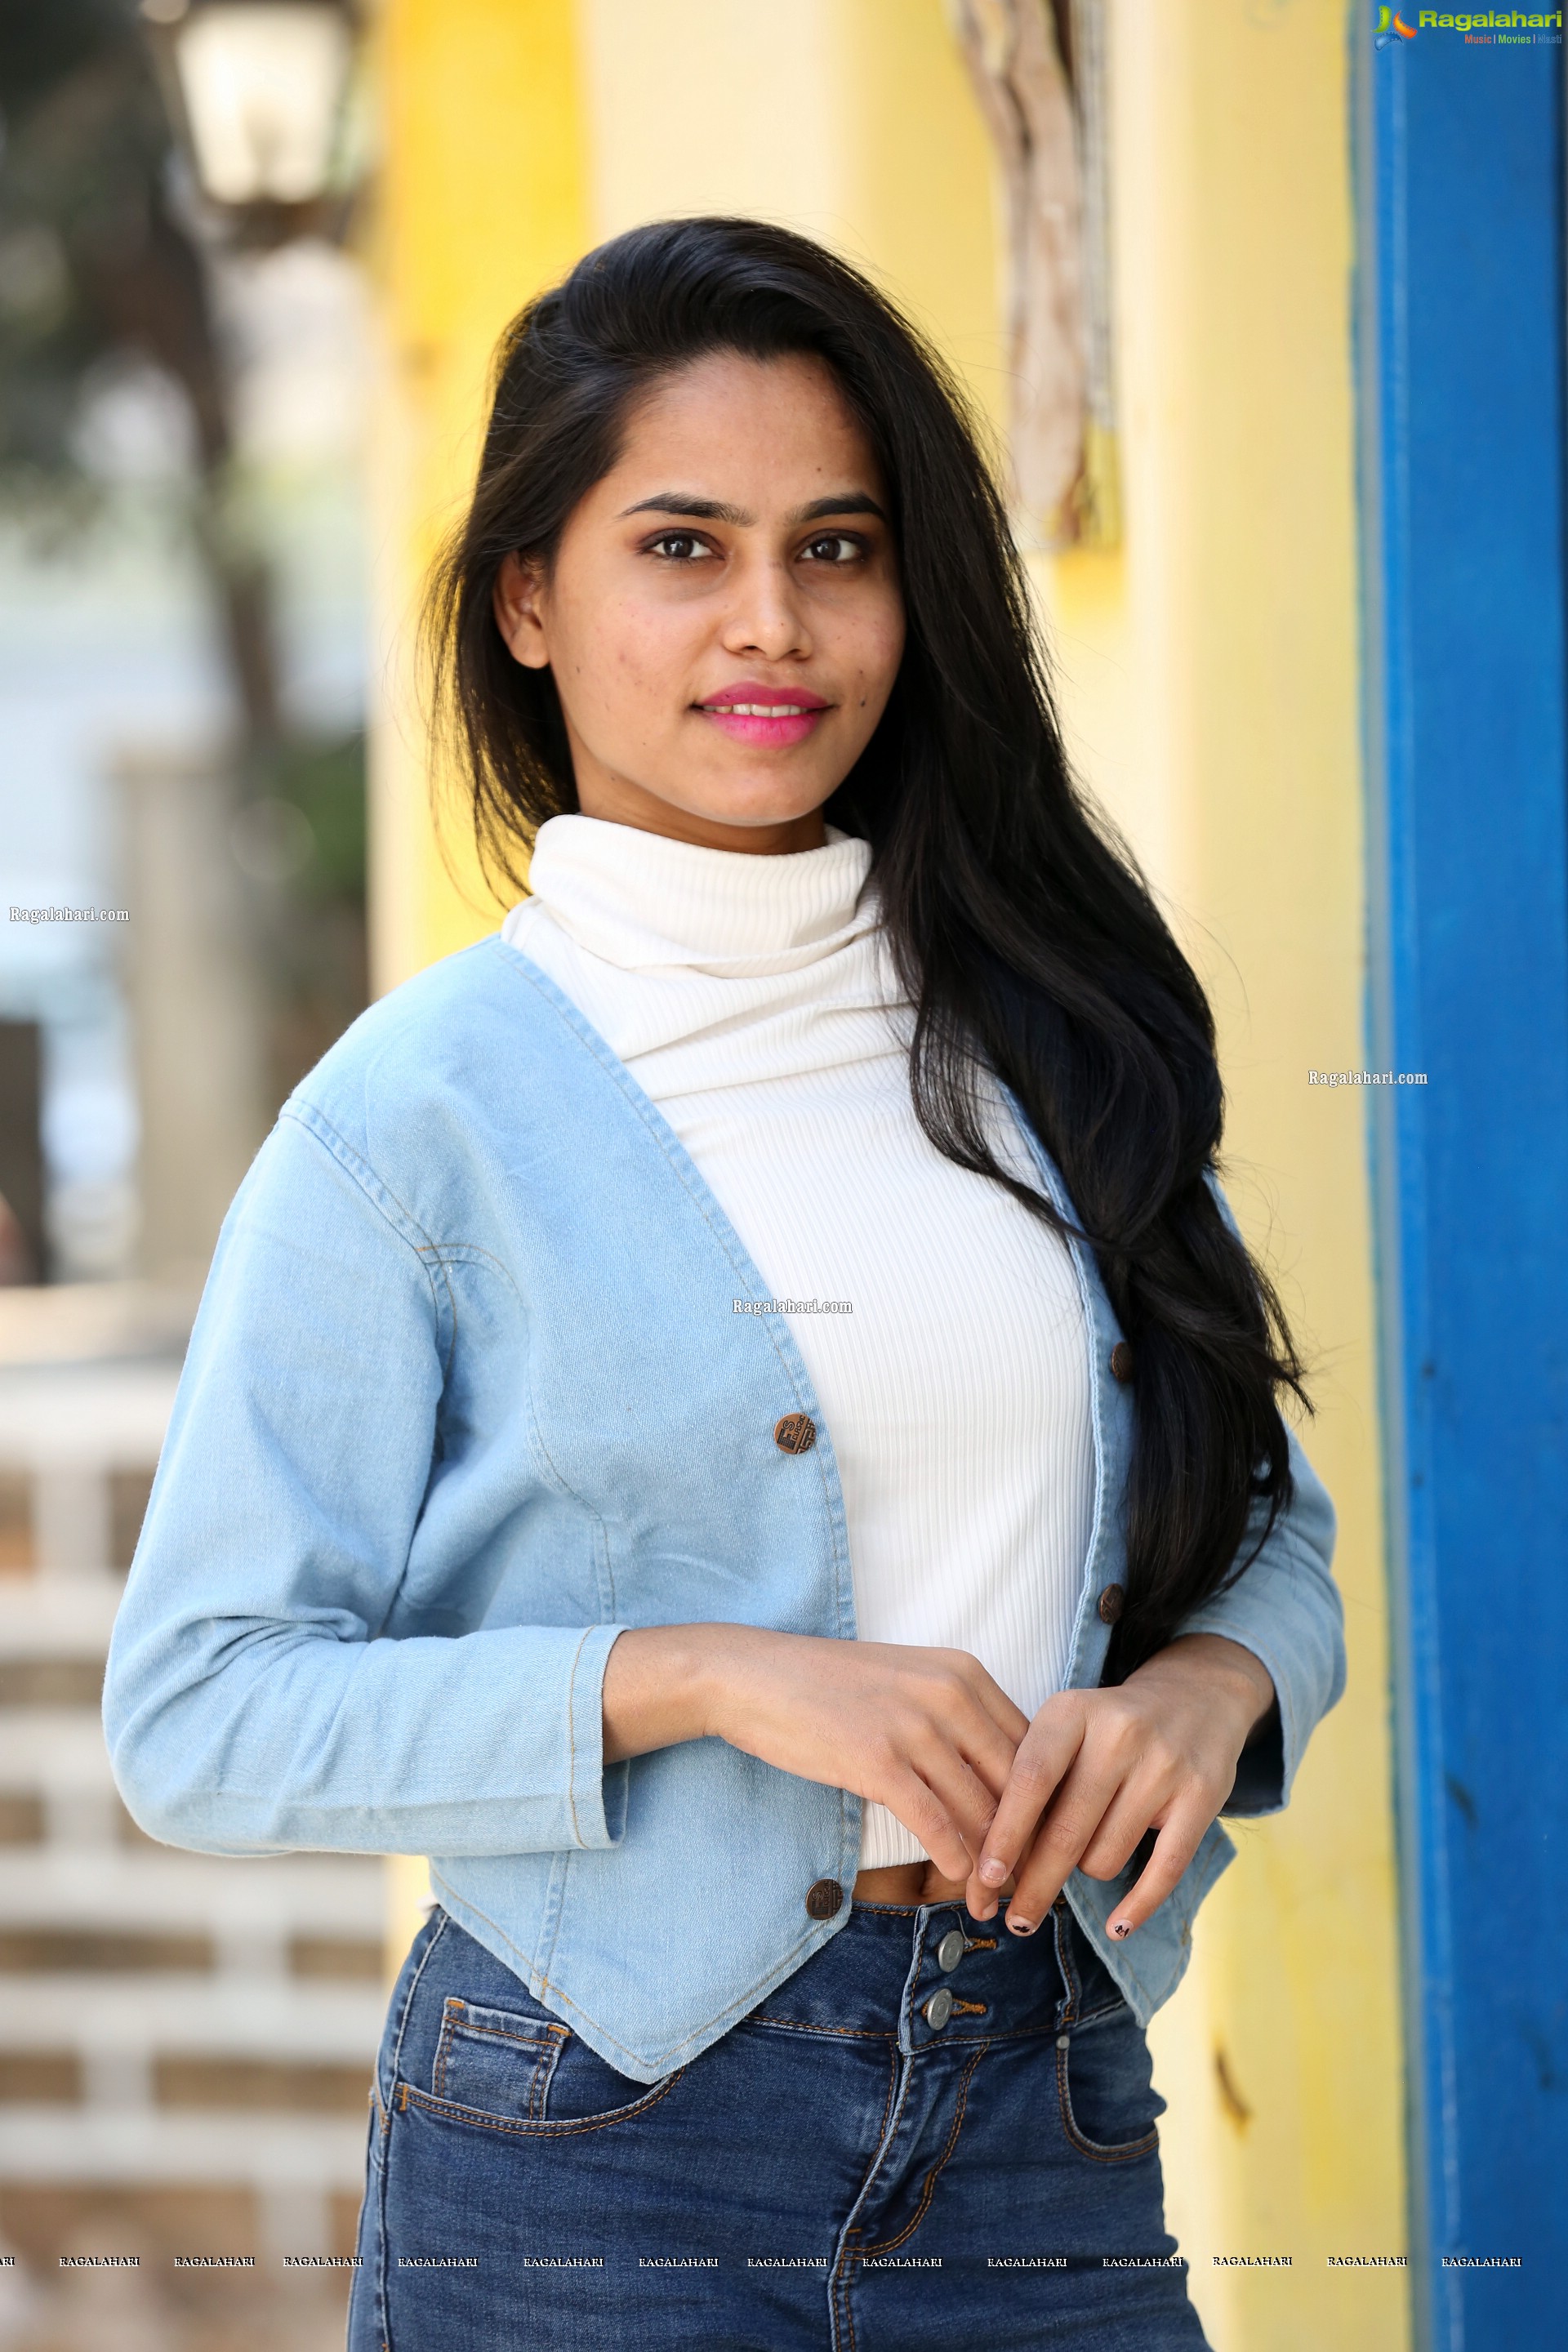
(750, 712)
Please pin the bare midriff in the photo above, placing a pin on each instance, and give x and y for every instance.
(911, 1883)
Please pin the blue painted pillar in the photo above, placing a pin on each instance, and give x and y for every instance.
(1461, 274)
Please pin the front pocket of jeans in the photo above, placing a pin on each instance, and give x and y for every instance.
(1105, 2086)
(504, 2071)
(496, 2060)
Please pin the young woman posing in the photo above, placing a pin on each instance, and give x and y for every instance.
(819, 1719)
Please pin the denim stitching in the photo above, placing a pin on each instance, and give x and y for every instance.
(839, 2283)
(1125, 2154)
(407, 2006)
(801, 2025)
(544, 2040)
(791, 1363)
(572, 1736)
(1069, 2004)
(929, 2191)
(453, 2113)
(380, 1196)
(735, 2014)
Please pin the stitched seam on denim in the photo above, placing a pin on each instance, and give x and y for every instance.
(379, 1195)
(544, 2045)
(1065, 1964)
(382, 2312)
(407, 2006)
(1091, 1335)
(1098, 2151)
(572, 1737)
(1093, 2016)
(438, 2071)
(737, 2011)
(891, 2244)
(684, 1168)
(409, 2091)
(843, 2268)
(326, 1137)
(548, 2038)
(799, 2025)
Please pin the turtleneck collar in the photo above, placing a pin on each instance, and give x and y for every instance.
(646, 903)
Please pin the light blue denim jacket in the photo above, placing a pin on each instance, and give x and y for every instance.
(467, 1396)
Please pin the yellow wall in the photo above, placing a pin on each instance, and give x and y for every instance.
(1209, 680)
(482, 200)
(1207, 673)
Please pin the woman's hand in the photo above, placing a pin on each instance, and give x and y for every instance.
(927, 1733)
(1099, 1767)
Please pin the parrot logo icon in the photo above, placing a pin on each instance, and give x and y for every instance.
(1392, 26)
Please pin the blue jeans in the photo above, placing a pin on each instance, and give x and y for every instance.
(932, 2130)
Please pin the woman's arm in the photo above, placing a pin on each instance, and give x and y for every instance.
(927, 1733)
(249, 1705)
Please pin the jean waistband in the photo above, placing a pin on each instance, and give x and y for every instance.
(931, 1976)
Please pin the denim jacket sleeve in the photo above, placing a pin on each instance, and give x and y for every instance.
(252, 1702)
(1285, 1607)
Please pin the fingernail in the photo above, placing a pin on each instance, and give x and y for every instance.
(1021, 1926)
(993, 1872)
(1121, 1926)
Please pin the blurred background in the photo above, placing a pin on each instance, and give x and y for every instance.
(1260, 302)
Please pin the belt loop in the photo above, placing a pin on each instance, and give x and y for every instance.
(1061, 1925)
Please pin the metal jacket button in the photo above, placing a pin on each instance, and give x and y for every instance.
(795, 1433)
(1111, 1602)
(939, 2009)
(951, 1948)
(825, 1899)
(1121, 1361)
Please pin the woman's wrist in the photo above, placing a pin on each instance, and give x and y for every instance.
(665, 1684)
(1237, 1677)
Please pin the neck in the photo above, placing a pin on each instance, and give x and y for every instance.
(619, 802)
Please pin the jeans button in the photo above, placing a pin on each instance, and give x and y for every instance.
(938, 2009)
(951, 1949)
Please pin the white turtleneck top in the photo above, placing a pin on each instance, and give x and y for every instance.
(753, 1000)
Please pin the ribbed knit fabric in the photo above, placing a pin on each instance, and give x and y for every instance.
(753, 998)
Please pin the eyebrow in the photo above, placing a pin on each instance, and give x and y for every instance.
(684, 505)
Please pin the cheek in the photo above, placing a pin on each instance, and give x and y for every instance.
(877, 651)
(626, 669)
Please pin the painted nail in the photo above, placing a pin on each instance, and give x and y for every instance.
(1021, 1926)
(993, 1872)
(1121, 1926)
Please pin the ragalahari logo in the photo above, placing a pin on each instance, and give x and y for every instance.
(1392, 28)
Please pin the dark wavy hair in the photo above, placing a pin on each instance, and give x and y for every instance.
(1021, 927)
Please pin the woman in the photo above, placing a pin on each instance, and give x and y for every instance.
(734, 1416)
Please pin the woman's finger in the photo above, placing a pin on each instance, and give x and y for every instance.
(1089, 1792)
(1010, 1720)
(1046, 1756)
(1174, 1849)
(911, 1800)
(985, 1750)
(960, 1790)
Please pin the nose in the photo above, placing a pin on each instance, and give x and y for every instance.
(764, 614)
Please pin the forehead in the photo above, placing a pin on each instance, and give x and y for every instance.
(727, 420)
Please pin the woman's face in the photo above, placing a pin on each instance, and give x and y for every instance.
(722, 615)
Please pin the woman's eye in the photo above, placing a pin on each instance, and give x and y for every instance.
(834, 547)
(678, 546)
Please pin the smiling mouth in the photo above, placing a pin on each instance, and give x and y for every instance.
(764, 709)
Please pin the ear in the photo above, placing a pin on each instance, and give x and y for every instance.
(518, 603)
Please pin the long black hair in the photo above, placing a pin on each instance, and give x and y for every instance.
(1019, 923)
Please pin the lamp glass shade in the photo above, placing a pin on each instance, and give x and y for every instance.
(263, 85)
